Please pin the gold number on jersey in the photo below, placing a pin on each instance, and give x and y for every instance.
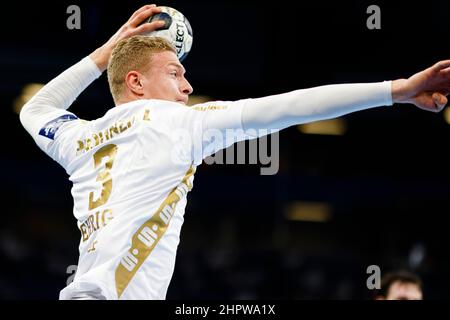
(103, 176)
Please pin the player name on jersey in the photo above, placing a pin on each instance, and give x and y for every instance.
(105, 135)
(94, 222)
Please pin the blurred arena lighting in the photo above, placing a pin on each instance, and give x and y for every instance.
(417, 255)
(335, 127)
(28, 91)
(308, 211)
(196, 99)
(446, 115)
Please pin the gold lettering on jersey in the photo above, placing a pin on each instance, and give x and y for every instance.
(206, 108)
(146, 115)
(92, 248)
(100, 135)
(98, 138)
(80, 146)
(122, 127)
(109, 151)
(88, 144)
(113, 130)
(147, 236)
(95, 222)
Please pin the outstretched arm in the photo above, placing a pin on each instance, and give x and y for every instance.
(426, 89)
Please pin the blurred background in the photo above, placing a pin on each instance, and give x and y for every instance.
(370, 188)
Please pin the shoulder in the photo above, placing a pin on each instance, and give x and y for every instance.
(138, 105)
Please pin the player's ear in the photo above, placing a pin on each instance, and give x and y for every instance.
(133, 81)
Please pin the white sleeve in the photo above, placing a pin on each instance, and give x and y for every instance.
(222, 123)
(210, 126)
(45, 116)
(319, 103)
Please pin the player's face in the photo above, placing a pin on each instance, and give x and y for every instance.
(165, 79)
(404, 291)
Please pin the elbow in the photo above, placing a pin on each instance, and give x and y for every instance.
(26, 113)
(32, 107)
(23, 113)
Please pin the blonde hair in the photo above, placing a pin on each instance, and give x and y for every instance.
(130, 54)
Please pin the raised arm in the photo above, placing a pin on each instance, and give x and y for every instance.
(131, 28)
(426, 89)
(60, 93)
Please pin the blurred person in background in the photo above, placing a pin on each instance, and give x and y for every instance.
(400, 285)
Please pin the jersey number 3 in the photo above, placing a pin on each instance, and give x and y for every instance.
(109, 151)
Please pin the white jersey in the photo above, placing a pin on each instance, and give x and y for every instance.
(131, 171)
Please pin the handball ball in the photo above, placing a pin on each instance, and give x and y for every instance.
(177, 30)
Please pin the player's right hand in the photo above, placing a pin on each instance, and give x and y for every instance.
(131, 28)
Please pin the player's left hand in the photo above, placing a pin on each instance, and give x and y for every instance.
(427, 89)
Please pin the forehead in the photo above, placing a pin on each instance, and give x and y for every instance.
(402, 288)
(165, 59)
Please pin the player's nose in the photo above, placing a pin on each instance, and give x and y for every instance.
(186, 87)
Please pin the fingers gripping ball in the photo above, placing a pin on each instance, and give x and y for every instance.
(176, 29)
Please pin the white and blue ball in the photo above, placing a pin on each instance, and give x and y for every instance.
(177, 30)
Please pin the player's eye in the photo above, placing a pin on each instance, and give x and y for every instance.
(174, 73)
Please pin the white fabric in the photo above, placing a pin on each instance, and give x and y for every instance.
(313, 104)
(155, 144)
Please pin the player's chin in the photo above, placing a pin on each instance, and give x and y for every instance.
(183, 102)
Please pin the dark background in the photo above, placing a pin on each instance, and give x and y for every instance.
(385, 180)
